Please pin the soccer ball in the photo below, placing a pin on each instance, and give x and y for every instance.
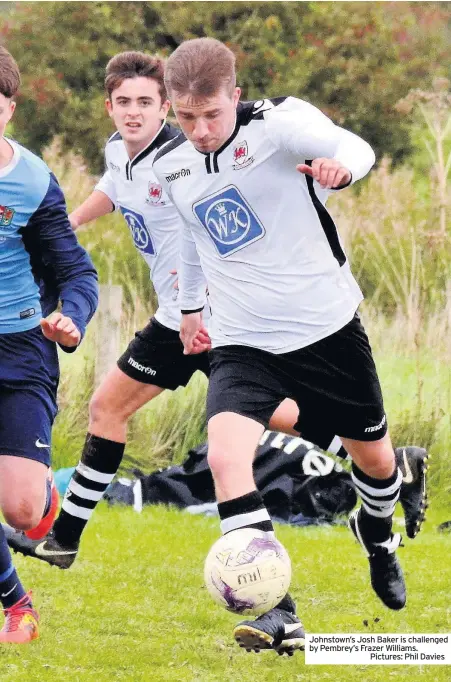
(247, 571)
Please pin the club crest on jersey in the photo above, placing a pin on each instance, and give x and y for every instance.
(229, 220)
(154, 194)
(241, 156)
(138, 228)
(6, 216)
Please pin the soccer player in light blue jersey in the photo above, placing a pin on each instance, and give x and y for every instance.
(41, 265)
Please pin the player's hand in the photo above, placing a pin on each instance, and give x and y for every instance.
(201, 342)
(59, 328)
(190, 327)
(73, 221)
(329, 173)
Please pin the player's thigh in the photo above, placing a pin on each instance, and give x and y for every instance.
(120, 394)
(232, 435)
(22, 488)
(232, 442)
(285, 417)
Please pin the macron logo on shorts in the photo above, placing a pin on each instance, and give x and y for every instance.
(141, 368)
(370, 429)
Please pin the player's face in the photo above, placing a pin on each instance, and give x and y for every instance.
(207, 122)
(7, 107)
(137, 111)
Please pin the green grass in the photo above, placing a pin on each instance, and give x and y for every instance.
(133, 606)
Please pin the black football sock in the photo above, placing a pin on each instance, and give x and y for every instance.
(247, 511)
(379, 497)
(99, 463)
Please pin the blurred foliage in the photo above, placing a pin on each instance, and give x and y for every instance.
(353, 60)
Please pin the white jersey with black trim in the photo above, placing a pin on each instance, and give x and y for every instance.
(154, 223)
(277, 274)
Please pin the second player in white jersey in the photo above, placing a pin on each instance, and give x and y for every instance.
(251, 220)
(154, 223)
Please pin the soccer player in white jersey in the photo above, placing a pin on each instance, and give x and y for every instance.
(154, 360)
(250, 181)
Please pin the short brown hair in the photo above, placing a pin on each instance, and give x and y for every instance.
(200, 67)
(9, 74)
(132, 65)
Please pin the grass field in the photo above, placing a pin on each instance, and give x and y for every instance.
(133, 606)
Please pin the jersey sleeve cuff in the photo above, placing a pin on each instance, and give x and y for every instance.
(189, 312)
(347, 184)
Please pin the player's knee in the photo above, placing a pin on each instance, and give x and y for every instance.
(219, 460)
(22, 513)
(102, 410)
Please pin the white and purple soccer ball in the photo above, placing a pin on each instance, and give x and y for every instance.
(247, 571)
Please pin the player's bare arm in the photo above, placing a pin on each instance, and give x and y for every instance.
(96, 205)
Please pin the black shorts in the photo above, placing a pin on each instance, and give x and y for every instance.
(155, 356)
(334, 383)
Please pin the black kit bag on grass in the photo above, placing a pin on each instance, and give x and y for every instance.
(294, 477)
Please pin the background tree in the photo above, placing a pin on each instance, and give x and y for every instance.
(354, 60)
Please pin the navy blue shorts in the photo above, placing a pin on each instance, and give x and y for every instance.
(29, 375)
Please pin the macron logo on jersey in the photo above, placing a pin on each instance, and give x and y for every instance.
(178, 174)
(229, 220)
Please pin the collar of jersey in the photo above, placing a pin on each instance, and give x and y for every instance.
(211, 158)
(144, 152)
(6, 170)
(228, 141)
